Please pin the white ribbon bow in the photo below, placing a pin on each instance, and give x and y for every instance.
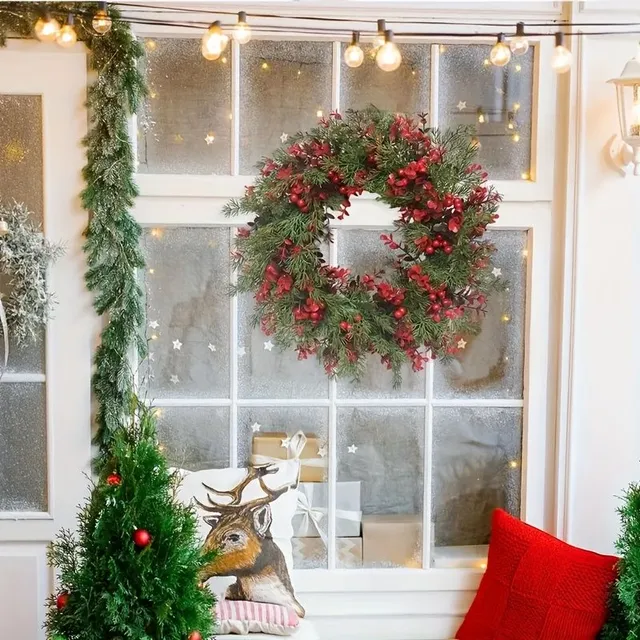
(294, 451)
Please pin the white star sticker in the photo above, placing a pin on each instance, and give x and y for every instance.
(255, 427)
(462, 105)
(177, 345)
(174, 379)
(152, 356)
(211, 347)
(154, 324)
(496, 272)
(462, 343)
(322, 451)
(209, 138)
(241, 352)
(284, 137)
(285, 442)
(268, 345)
(352, 448)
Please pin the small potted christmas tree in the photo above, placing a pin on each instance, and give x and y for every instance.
(132, 570)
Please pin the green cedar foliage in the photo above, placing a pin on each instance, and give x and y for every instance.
(116, 591)
(624, 606)
(112, 237)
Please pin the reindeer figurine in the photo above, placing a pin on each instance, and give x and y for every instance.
(242, 535)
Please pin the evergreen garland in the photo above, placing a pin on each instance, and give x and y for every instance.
(112, 237)
(436, 291)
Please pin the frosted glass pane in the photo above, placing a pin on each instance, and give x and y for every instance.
(362, 251)
(476, 468)
(284, 88)
(194, 438)
(26, 358)
(188, 312)
(383, 448)
(471, 89)
(266, 372)
(23, 447)
(406, 90)
(21, 151)
(186, 124)
(492, 363)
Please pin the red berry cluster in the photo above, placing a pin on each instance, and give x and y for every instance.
(275, 280)
(311, 310)
(430, 246)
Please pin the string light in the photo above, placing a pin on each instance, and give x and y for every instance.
(475, 143)
(242, 31)
(518, 68)
(319, 113)
(101, 22)
(511, 122)
(47, 28)
(516, 106)
(516, 137)
(379, 40)
(388, 57)
(264, 66)
(525, 175)
(481, 117)
(500, 52)
(513, 464)
(519, 44)
(505, 318)
(67, 36)
(214, 42)
(486, 62)
(562, 57)
(353, 54)
(150, 45)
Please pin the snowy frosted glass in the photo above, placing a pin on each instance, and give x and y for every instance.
(264, 373)
(469, 83)
(477, 455)
(492, 364)
(187, 295)
(194, 438)
(406, 90)
(284, 88)
(362, 251)
(23, 447)
(189, 99)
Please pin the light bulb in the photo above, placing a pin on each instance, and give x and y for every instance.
(562, 57)
(214, 41)
(388, 57)
(481, 117)
(378, 41)
(47, 28)
(101, 22)
(242, 31)
(353, 54)
(519, 44)
(500, 53)
(67, 36)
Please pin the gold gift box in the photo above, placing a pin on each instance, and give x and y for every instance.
(348, 550)
(393, 540)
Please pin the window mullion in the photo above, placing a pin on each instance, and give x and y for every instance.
(427, 468)
(333, 445)
(235, 108)
(335, 77)
(233, 374)
(434, 77)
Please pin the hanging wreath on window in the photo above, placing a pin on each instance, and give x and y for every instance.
(435, 293)
(25, 256)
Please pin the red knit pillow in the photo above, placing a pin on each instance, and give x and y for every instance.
(538, 588)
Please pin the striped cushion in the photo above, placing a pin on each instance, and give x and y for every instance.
(243, 617)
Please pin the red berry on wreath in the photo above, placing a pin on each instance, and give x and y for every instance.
(400, 312)
(345, 326)
(141, 538)
(62, 600)
(357, 318)
(315, 316)
(113, 480)
(195, 635)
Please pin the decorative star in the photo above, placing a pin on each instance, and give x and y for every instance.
(154, 324)
(209, 138)
(462, 343)
(462, 105)
(285, 443)
(177, 345)
(352, 448)
(174, 379)
(322, 451)
(152, 356)
(284, 137)
(241, 352)
(268, 345)
(496, 272)
(255, 427)
(211, 347)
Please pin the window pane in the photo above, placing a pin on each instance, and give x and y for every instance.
(362, 251)
(186, 125)
(405, 90)
(194, 438)
(496, 100)
(188, 312)
(492, 363)
(284, 88)
(383, 448)
(476, 468)
(266, 372)
(23, 447)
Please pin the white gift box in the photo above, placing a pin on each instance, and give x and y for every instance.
(310, 520)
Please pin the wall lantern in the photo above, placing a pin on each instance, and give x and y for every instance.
(625, 148)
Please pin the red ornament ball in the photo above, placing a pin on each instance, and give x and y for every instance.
(141, 538)
(62, 600)
(195, 635)
(113, 480)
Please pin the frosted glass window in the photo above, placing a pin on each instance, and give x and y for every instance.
(186, 124)
(23, 447)
(187, 282)
(405, 90)
(497, 101)
(284, 88)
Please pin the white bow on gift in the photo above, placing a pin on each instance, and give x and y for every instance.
(294, 449)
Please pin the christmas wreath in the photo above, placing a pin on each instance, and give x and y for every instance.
(436, 292)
